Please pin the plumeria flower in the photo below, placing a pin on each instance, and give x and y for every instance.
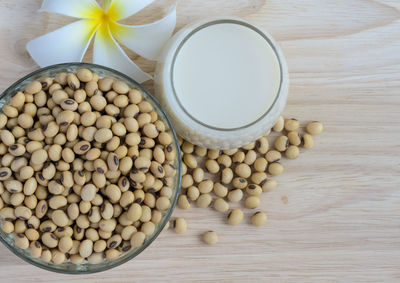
(69, 43)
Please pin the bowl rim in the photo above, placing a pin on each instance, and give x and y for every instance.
(139, 250)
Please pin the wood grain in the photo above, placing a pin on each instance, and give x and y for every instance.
(336, 213)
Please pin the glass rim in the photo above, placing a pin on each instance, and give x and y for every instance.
(135, 252)
(263, 34)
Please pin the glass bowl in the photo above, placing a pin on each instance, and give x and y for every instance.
(68, 267)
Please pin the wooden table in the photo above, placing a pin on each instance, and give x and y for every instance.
(336, 213)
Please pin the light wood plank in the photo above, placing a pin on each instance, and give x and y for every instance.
(335, 215)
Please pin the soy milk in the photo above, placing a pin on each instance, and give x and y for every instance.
(226, 75)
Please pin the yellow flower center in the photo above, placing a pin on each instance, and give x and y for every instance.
(104, 21)
(104, 18)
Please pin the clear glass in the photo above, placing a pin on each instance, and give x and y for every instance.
(68, 267)
(196, 131)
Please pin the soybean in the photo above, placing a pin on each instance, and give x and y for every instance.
(212, 166)
(210, 237)
(279, 125)
(314, 128)
(204, 200)
(275, 168)
(273, 156)
(292, 152)
(235, 195)
(235, 217)
(243, 170)
(259, 218)
(221, 205)
(190, 160)
(260, 165)
(180, 225)
(294, 138)
(183, 202)
(198, 175)
(308, 141)
(269, 185)
(291, 125)
(252, 202)
(193, 193)
(281, 143)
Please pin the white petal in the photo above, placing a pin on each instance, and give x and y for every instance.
(108, 53)
(106, 4)
(146, 40)
(67, 44)
(121, 9)
(88, 9)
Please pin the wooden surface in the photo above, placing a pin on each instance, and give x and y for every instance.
(336, 213)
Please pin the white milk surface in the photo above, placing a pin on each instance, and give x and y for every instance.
(226, 75)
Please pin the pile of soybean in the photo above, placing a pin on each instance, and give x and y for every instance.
(87, 168)
(218, 178)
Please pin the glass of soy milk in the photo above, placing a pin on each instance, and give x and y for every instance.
(223, 82)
